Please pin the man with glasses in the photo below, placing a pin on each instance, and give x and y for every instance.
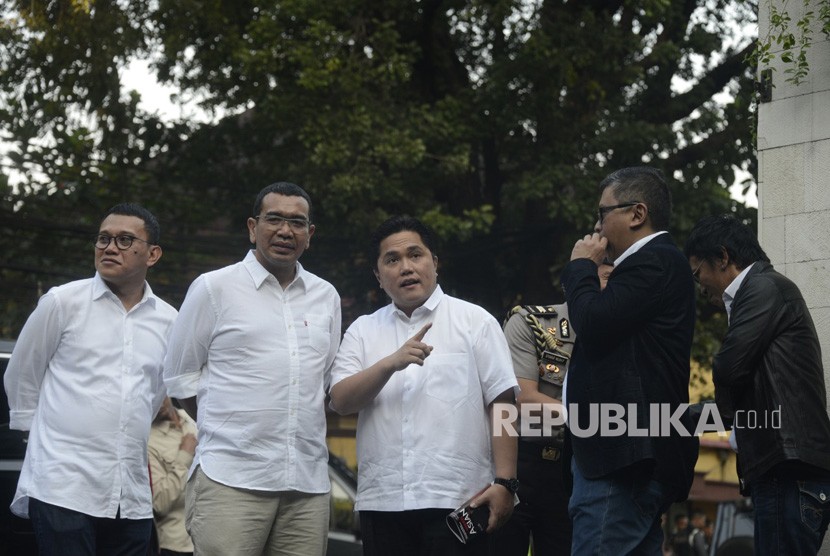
(85, 379)
(769, 384)
(250, 360)
(633, 349)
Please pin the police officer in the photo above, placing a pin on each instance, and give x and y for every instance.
(541, 342)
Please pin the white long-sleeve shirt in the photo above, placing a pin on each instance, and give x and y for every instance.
(258, 359)
(85, 379)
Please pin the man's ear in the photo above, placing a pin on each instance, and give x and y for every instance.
(252, 230)
(377, 274)
(639, 215)
(723, 259)
(155, 255)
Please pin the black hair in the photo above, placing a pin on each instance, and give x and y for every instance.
(281, 188)
(712, 234)
(646, 185)
(151, 224)
(395, 224)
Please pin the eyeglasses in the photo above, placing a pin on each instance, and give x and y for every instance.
(696, 271)
(124, 241)
(603, 211)
(275, 221)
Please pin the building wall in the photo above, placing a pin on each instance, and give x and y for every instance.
(794, 176)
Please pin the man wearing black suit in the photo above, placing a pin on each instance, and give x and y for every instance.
(769, 384)
(632, 354)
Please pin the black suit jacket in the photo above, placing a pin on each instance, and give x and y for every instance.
(633, 348)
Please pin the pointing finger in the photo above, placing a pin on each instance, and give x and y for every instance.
(420, 335)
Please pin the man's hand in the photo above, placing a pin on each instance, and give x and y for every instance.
(500, 501)
(591, 247)
(188, 444)
(414, 351)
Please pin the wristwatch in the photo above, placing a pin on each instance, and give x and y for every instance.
(510, 484)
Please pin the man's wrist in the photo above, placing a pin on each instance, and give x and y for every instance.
(511, 485)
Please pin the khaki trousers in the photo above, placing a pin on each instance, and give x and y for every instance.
(225, 521)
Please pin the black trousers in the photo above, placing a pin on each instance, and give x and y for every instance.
(414, 533)
(542, 511)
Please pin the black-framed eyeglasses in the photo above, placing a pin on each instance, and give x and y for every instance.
(696, 271)
(276, 221)
(123, 241)
(603, 211)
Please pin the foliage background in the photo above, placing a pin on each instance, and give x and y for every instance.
(492, 120)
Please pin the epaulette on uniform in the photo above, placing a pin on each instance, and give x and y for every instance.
(554, 343)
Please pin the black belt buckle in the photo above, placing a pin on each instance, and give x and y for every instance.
(551, 454)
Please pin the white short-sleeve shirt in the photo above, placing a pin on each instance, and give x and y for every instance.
(425, 440)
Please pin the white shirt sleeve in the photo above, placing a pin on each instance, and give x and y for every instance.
(30, 358)
(190, 339)
(495, 367)
(334, 344)
(350, 357)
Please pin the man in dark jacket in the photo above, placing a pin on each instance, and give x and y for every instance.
(769, 383)
(632, 354)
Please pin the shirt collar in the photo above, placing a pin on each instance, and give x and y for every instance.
(259, 274)
(636, 246)
(100, 289)
(732, 290)
(429, 305)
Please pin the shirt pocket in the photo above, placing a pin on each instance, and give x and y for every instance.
(319, 336)
(448, 377)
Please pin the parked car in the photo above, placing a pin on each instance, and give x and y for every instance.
(733, 532)
(17, 535)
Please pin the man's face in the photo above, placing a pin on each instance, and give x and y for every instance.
(129, 266)
(407, 270)
(712, 283)
(280, 242)
(614, 223)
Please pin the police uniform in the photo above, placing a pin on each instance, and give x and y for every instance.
(541, 341)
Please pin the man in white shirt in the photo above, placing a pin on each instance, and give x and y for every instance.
(424, 372)
(85, 380)
(253, 345)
